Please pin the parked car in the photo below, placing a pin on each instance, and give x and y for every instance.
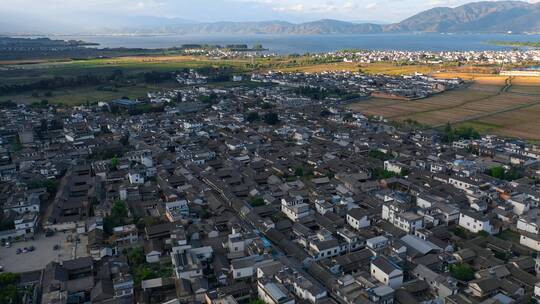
(31, 248)
(8, 245)
(19, 250)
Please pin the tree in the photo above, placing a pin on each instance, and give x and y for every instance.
(462, 272)
(119, 210)
(325, 113)
(49, 184)
(136, 257)
(271, 118)
(9, 293)
(124, 140)
(256, 201)
(497, 172)
(118, 217)
(114, 163)
(252, 117)
(501, 173)
(266, 105)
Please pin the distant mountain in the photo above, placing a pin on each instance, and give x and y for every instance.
(486, 17)
(502, 16)
(322, 27)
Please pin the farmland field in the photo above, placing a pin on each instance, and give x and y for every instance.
(492, 104)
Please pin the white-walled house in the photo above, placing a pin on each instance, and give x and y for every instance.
(135, 178)
(386, 272)
(406, 221)
(530, 240)
(476, 222)
(462, 183)
(243, 268)
(358, 218)
(521, 204)
(530, 222)
(273, 293)
(537, 291)
(177, 209)
(529, 228)
(308, 291)
(26, 223)
(377, 243)
(29, 202)
(295, 211)
(394, 167)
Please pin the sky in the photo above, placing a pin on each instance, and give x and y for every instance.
(92, 12)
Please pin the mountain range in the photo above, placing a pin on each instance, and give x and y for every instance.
(482, 17)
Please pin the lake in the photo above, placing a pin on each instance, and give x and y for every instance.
(288, 44)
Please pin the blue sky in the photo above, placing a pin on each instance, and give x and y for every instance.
(223, 10)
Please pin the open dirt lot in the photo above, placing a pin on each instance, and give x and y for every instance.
(43, 254)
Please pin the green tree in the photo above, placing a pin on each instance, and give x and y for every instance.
(271, 118)
(9, 293)
(136, 256)
(118, 217)
(252, 116)
(462, 272)
(114, 162)
(497, 172)
(256, 201)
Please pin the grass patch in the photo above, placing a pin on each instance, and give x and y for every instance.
(79, 96)
(480, 126)
(509, 235)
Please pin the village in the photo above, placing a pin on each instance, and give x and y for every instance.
(271, 192)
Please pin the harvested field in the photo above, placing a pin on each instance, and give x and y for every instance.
(504, 109)
(523, 89)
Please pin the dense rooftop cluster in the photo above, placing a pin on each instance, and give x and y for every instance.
(264, 192)
(491, 57)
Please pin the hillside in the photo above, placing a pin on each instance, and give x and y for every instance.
(487, 17)
(515, 16)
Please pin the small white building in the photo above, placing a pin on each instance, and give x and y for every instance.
(273, 293)
(386, 272)
(295, 212)
(395, 167)
(406, 221)
(530, 222)
(135, 178)
(521, 203)
(377, 243)
(26, 223)
(530, 240)
(476, 222)
(358, 218)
